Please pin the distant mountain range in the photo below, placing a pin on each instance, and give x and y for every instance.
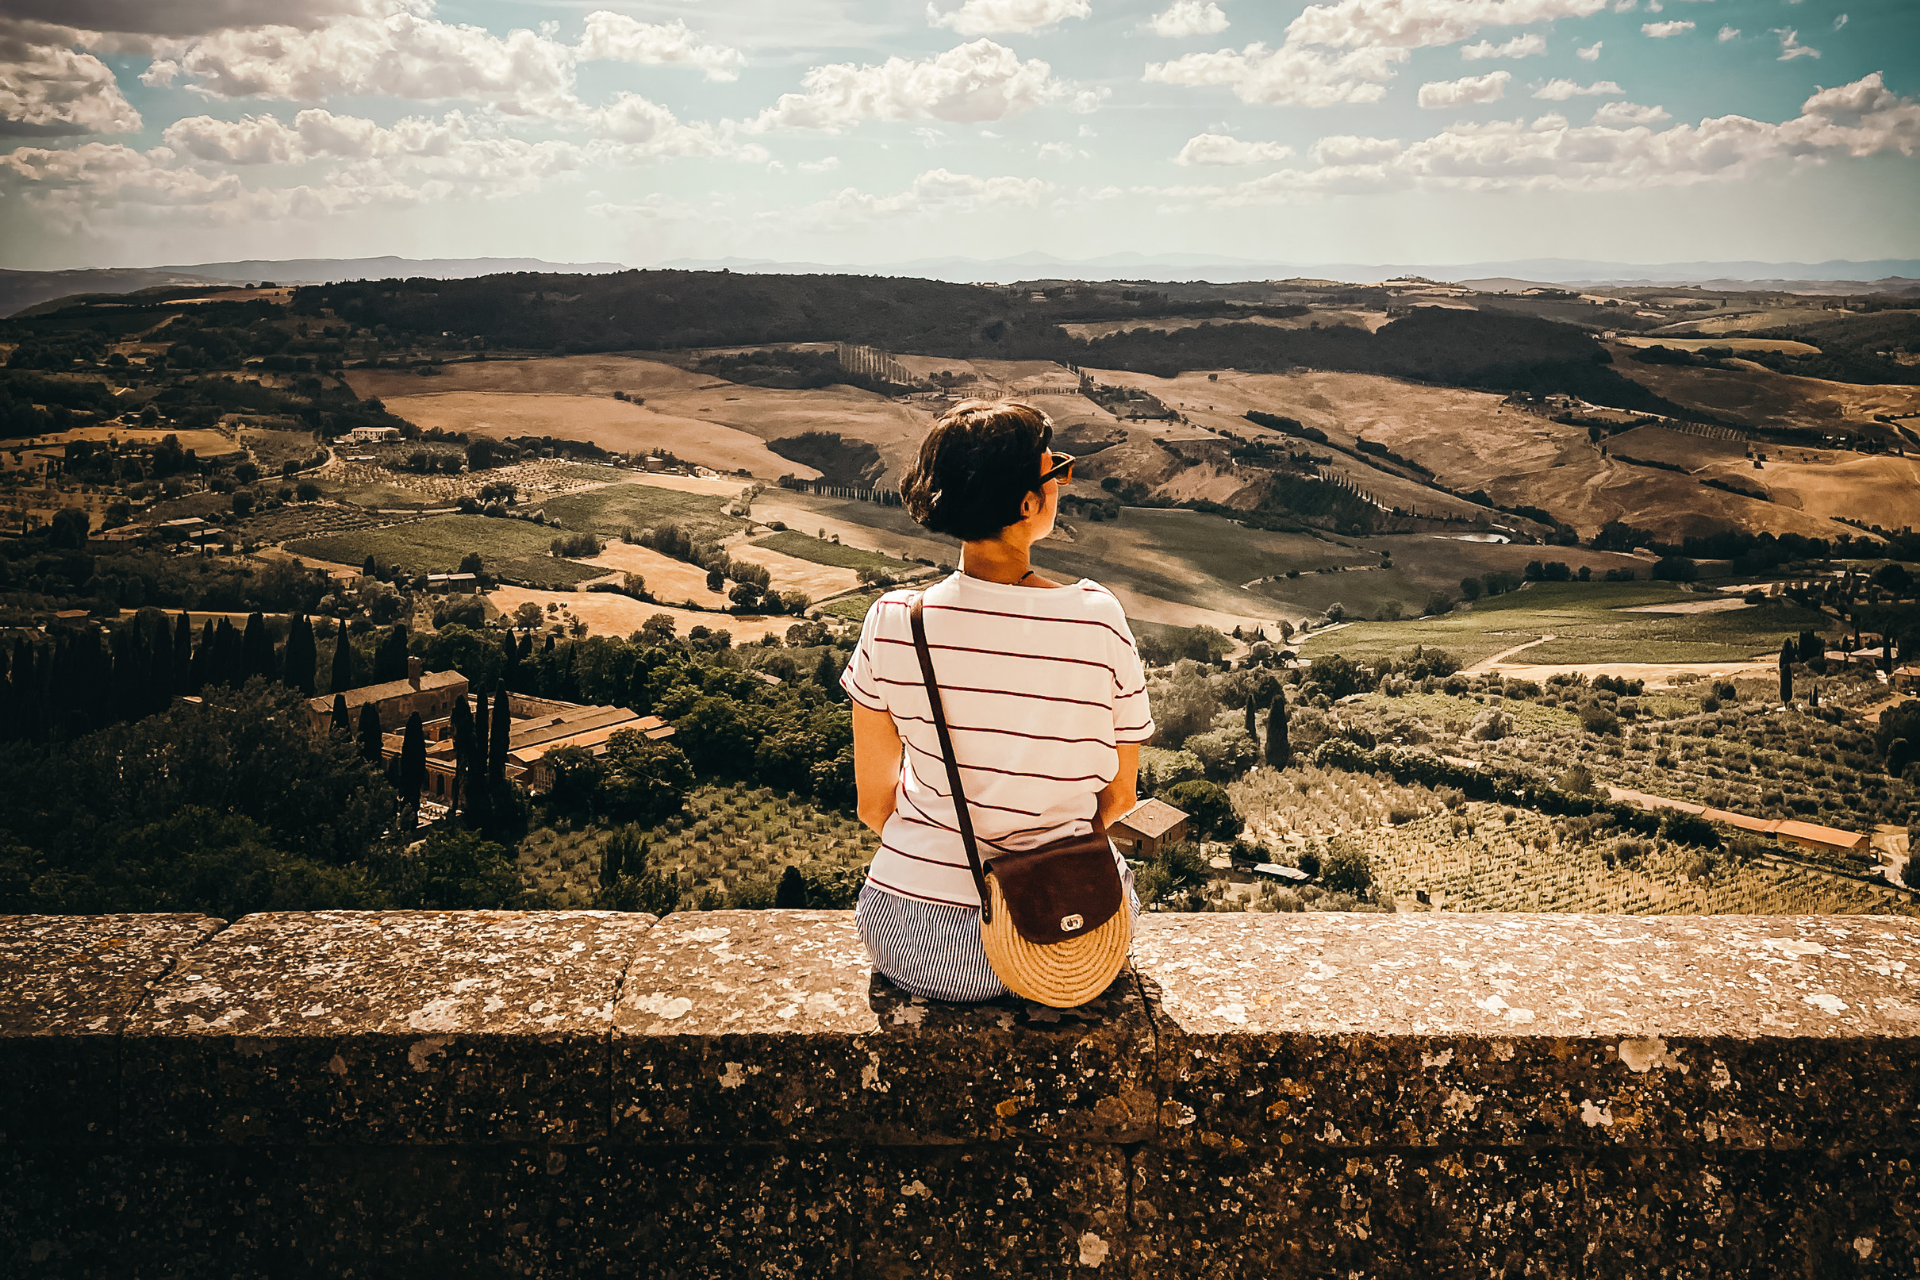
(22, 289)
(1821, 277)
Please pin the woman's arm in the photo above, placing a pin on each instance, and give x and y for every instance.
(1117, 796)
(876, 764)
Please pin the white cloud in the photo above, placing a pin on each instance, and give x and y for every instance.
(1189, 18)
(1661, 30)
(614, 37)
(1285, 76)
(1468, 89)
(967, 84)
(935, 191)
(181, 18)
(1791, 48)
(54, 90)
(159, 73)
(989, 17)
(1218, 148)
(1840, 22)
(402, 55)
(1058, 151)
(827, 165)
(1344, 150)
(1728, 33)
(1591, 53)
(1860, 119)
(1526, 46)
(1561, 90)
(1625, 115)
(1347, 51)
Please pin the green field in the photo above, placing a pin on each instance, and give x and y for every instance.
(1585, 620)
(433, 545)
(1457, 713)
(636, 506)
(805, 547)
(547, 572)
(853, 608)
(376, 496)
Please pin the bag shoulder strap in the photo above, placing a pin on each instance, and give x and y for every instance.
(947, 757)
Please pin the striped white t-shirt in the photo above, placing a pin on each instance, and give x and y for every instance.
(1038, 686)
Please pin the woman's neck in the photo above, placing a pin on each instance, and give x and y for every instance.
(992, 560)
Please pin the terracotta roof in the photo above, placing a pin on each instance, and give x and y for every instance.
(1813, 833)
(391, 689)
(1151, 818)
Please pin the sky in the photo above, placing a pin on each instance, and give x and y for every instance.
(140, 132)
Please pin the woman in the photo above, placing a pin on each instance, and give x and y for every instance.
(1041, 686)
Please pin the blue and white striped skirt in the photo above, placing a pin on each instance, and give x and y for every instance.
(933, 949)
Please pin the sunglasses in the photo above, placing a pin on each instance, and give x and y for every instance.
(1059, 467)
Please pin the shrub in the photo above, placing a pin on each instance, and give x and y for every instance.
(1347, 869)
(1224, 753)
(1595, 718)
(1161, 769)
(1689, 828)
(1309, 862)
(1211, 814)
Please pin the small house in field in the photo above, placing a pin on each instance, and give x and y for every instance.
(1142, 831)
(462, 583)
(1907, 678)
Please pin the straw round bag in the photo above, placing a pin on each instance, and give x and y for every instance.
(1053, 920)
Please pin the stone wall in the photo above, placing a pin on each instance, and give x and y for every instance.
(733, 1094)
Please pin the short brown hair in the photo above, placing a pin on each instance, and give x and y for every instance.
(976, 466)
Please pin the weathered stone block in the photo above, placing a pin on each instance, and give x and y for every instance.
(68, 985)
(396, 1027)
(1012, 1209)
(1369, 1031)
(762, 1026)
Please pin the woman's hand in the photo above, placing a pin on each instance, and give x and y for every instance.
(876, 764)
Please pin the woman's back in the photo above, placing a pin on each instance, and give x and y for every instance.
(1038, 687)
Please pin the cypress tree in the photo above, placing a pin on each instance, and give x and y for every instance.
(303, 660)
(497, 743)
(792, 890)
(369, 733)
(160, 688)
(229, 665)
(258, 648)
(1253, 725)
(1279, 750)
(463, 750)
(479, 733)
(1786, 671)
(526, 645)
(827, 675)
(342, 677)
(131, 670)
(342, 724)
(413, 761)
(182, 681)
(203, 671)
(390, 658)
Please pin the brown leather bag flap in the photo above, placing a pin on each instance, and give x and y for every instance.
(1060, 891)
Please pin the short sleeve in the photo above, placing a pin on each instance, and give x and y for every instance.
(1132, 717)
(859, 680)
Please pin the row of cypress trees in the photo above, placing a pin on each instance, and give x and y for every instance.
(83, 679)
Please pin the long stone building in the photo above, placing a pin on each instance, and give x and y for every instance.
(538, 726)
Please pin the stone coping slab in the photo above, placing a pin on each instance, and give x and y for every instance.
(392, 1026)
(1325, 1030)
(758, 1026)
(68, 985)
